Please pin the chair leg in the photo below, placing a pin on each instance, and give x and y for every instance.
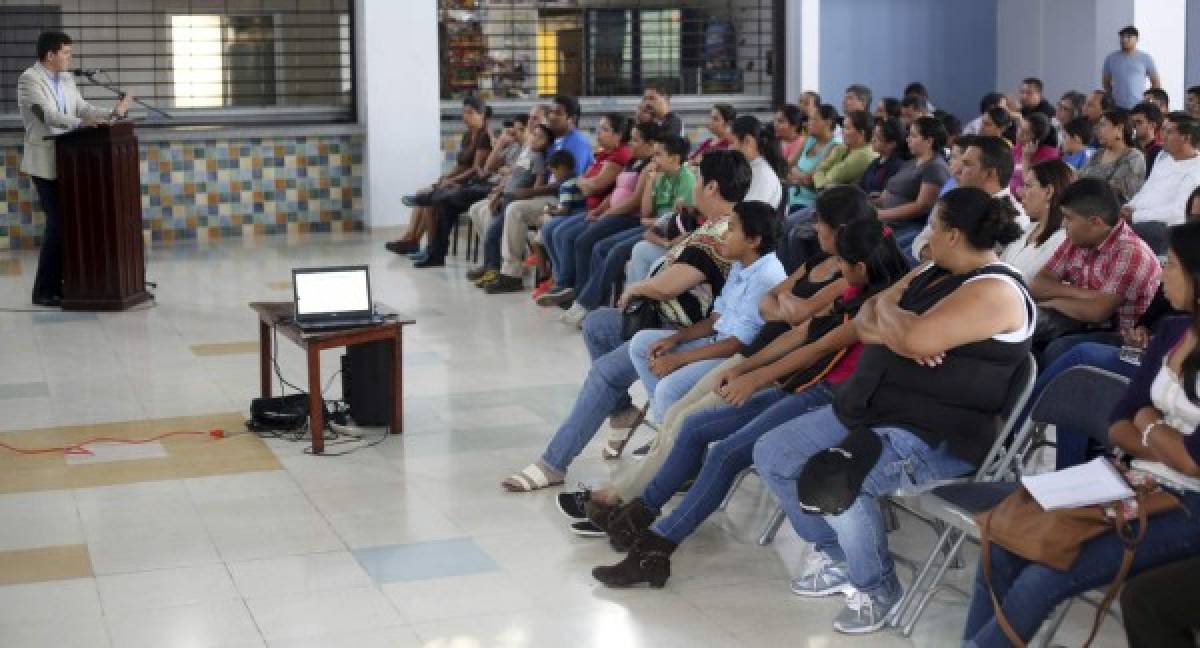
(891, 521)
(926, 595)
(772, 527)
(470, 239)
(737, 481)
(454, 237)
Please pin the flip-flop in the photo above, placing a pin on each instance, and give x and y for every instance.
(531, 478)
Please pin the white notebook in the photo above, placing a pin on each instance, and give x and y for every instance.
(1094, 482)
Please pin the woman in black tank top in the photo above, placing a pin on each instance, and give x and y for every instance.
(941, 347)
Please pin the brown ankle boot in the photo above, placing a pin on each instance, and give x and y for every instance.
(627, 523)
(649, 561)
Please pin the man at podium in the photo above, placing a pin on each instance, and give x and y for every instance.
(51, 104)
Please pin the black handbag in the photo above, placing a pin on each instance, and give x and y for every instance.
(640, 313)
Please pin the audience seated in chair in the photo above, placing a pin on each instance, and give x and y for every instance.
(1147, 122)
(913, 190)
(1044, 183)
(1037, 141)
(1158, 421)
(520, 215)
(889, 140)
(848, 161)
(791, 130)
(792, 376)
(817, 146)
(672, 183)
(1075, 149)
(681, 293)
(1161, 200)
(921, 405)
(1096, 284)
(720, 119)
(786, 308)
(1118, 160)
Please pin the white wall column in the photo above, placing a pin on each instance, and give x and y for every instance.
(1163, 28)
(398, 100)
(803, 35)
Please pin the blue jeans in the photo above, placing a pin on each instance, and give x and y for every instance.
(856, 536)
(1074, 446)
(605, 390)
(558, 237)
(608, 267)
(663, 392)
(1030, 591)
(590, 237)
(642, 260)
(1059, 346)
(733, 431)
(492, 240)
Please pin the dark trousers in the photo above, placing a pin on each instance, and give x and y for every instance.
(1162, 606)
(48, 282)
(448, 207)
(609, 257)
(593, 234)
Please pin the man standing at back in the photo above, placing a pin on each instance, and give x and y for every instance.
(1126, 71)
(50, 103)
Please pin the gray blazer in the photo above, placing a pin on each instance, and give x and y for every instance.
(34, 89)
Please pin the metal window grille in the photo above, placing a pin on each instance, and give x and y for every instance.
(523, 49)
(205, 61)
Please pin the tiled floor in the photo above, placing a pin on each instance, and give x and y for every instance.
(195, 542)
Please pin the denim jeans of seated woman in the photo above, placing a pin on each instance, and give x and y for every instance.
(641, 260)
(591, 236)
(493, 239)
(857, 536)
(1074, 446)
(1029, 592)
(605, 391)
(609, 257)
(558, 238)
(664, 392)
(732, 431)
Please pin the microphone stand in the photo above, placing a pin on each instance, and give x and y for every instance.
(91, 76)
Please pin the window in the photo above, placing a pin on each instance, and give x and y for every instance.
(204, 61)
(523, 49)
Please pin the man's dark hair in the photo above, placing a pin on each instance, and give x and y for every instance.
(891, 106)
(570, 105)
(1159, 95)
(915, 102)
(965, 142)
(862, 92)
(523, 120)
(990, 100)
(50, 42)
(1194, 90)
(953, 125)
(1092, 198)
(675, 145)
(916, 89)
(863, 122)
(1080, 127)
(931, 128)
(995, 154)
(561, 159)
(658, 88)
(1129, 30)
(731, 172)
(1187, 125)
(1151, 112)
(651, 132)
(759, 220)
(726, 111)
(1107, 102)
(1035, 82)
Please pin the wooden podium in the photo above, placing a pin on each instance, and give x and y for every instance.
(100, 215)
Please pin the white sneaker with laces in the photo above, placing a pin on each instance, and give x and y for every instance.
(822, 577)
(574, 315)
(865, 613)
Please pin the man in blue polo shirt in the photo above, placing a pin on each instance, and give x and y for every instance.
(562, 119)
(1126, 71)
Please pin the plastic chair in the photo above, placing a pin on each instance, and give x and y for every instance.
(956, 505)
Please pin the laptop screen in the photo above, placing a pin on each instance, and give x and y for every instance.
(331, 292)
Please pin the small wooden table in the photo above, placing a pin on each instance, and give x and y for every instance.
(279, 316)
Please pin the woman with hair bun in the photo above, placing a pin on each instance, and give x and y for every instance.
(921, 406)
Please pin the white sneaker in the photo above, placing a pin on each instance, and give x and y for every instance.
(822, 577)
(865, 613)
(574, 315)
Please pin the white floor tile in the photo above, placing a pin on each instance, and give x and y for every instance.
(71, 599)
(323, 613)
(151, 590)
(204, 624)
(290, 575)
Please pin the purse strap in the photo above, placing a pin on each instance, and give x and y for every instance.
(1131, 540)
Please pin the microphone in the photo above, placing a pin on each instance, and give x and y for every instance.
(86, 72)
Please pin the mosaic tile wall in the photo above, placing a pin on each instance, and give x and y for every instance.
(214, 189)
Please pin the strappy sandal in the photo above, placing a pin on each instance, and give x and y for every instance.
(619, 438)
(531, 478)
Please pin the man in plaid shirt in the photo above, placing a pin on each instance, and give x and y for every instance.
(1102, 274)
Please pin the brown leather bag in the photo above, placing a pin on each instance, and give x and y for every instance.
(1055, 538)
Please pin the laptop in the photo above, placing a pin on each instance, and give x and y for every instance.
(335, 297)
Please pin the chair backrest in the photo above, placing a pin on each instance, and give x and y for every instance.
(1081, 397)
(1019, 389)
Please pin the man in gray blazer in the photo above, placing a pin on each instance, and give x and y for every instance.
(50, 104)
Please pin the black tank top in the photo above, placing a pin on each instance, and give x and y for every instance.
(804, 288)
(957, 402)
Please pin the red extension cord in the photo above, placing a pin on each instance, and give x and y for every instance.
(79, 449)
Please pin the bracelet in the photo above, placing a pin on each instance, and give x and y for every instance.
(1146, 431)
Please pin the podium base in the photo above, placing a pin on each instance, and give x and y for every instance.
(105, 304)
